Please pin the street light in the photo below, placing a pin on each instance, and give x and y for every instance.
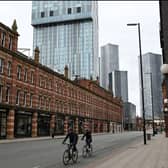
(141, 73)
(153, 124)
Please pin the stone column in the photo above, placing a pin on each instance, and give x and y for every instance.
(10, 124)
(76, 125)
(52, 124)
(34, 124)
(66, 125)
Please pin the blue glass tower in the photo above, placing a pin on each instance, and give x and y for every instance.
(66, 33)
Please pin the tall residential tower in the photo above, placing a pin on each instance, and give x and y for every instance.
(109, 62)
(66, 33)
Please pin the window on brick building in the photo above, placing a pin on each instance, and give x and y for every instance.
(42, 14)
(51, 13)
(3, 38)
(10, 43)
(78, 9)
(32, 77)
(45, 103)
(49, 104)
(31, 99)
(25, 74)
(1, 87)
(18, 97)
(19, 69)
(69, 10)
(40, 101)
(40, 81)
(25, 98)
(1, 65)
(9, 68)
(7, 94)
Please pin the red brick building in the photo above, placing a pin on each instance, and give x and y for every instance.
(35, 100)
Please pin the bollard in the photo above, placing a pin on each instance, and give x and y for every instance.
(148, 136)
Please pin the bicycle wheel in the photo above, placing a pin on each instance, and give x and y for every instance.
(90, 150)
(84, 151)
(66, 157)
(74, 156)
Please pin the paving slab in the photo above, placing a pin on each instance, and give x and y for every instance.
(138, 155)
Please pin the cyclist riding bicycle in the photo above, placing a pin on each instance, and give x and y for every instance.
(88, 138)
(73, 138)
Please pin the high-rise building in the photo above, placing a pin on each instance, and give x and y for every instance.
(109, 63)
(152, 80)
(118, 84)
(129, 116)
(66, 33)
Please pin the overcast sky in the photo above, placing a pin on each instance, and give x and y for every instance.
(113, 18)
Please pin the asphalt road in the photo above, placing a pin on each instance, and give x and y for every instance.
(48, 153)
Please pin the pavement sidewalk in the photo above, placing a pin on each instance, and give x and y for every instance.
(138, 155)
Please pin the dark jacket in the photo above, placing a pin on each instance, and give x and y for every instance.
(73, 138)
(88, 136)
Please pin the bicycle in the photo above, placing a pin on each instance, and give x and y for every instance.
(70, 154)
(87, 151)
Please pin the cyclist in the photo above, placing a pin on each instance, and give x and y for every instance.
(73, 138)
(88, 138)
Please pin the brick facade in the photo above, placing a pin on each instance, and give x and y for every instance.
(36, 94)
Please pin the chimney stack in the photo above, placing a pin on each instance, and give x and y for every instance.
(66, 71)
(36, 55)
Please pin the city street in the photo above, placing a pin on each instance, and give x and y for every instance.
(48, 153)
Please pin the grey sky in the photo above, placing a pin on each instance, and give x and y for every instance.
(113, 17)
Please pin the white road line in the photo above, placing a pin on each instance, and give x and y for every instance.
(38, 166)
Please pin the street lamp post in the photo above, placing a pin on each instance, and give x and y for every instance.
(153, 124)
(141, 73)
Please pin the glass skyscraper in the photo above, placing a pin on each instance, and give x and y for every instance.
(66, 33)
(109, 62)
(152, 80)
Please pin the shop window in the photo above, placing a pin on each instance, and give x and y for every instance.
(9, 68)
(19, 72)
(10, 42)
(3, 38)
(25, 74)
(1, 65)
(51, 13)
(42, 14)
(78, 9)
(7, 94)
(18, 97)
(1, 87)
(69, 10)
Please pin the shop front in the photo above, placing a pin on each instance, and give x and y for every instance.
(43, 124)
(23, 124)
(71, 122)
(3, 123)
(81, 125)
(59, 124)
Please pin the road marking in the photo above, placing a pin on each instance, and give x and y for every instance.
(38, 166)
